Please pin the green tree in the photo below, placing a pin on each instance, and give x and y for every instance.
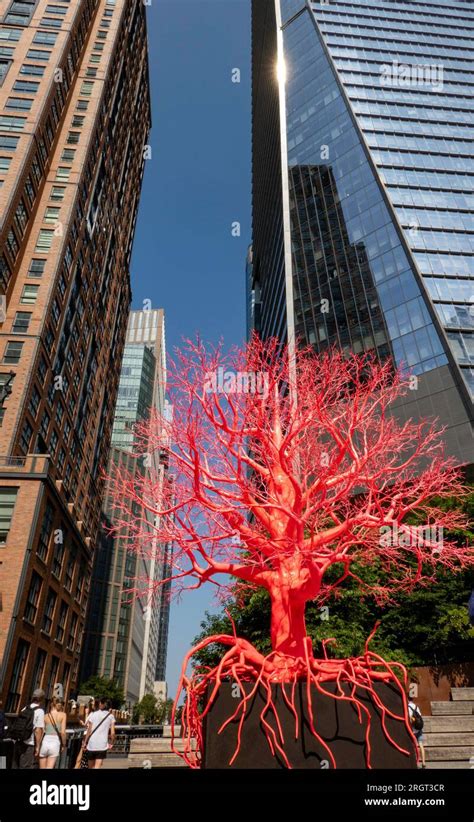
(100, 686)
(163, 711)
(145, 711)
(152, 711)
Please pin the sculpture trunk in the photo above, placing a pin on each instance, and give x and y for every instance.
(288, 628)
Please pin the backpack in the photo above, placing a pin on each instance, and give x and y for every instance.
(417, 720)
(21, 727)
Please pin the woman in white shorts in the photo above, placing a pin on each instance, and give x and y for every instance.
(54, 735)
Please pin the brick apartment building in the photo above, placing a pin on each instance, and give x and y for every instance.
(74, 123)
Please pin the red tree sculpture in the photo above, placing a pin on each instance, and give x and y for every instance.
(279, 469)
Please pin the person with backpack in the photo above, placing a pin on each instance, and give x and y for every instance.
(54, 738)
(100, 734)
(26, 730)
(416, 721)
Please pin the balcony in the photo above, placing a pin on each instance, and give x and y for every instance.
(37, 466)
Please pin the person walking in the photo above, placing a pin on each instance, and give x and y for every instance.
(93, 705)
(100, 734)
(26, 751)
(54, 738)
(416, 721)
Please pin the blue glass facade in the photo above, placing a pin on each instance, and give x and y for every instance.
(375, 138)
(406, 68)
(135, 394)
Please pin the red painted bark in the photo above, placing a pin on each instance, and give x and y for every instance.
(278, 471)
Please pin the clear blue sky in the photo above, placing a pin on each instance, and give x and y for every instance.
(196, 185)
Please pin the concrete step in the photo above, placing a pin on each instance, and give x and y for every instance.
(462, 694)
(449, 724)
(154, 745)
(433, 740)
(166, 760)
(115, 764)
(448, 754)
(452, 708)
(461, 765)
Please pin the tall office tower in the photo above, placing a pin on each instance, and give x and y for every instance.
(362, 173)
(74, 120)
(125, 631)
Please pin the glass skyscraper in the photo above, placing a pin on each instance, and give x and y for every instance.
(363, 179)
(127, 634)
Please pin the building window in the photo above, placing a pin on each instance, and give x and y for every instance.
(62, 284)
(46, 530)
(65, 677)
(8, 143)
(25, 438)
(32, 70)
(5, 163)
(4, 66)
(45, 240)
(86, 88)
(12, 352)
(26, 86)
(57, 193)
(8, 123)
(10, 34)
(59, 413)
(70, 571)
(46, 419)
(14, 691)
(21, 217)
(40, 664)
(80, 582)
(21, 322)
(45, 38)
(53, 674)
(68, 155)
(35, 400)
(73, 137)
(72, 632)
(32, 600)
(82, 105)
(61, 459)
(29, 294)
(36, 268)
(48, 615)
(23, 10)
(61, 621)
(38, 54)
(51, 215)
(63, 173)
(7, 505)
(18, 104)
(51, 23)
(12, 243)
(53, 442)
(56, 9)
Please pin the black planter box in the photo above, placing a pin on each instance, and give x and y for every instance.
(335, 721)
